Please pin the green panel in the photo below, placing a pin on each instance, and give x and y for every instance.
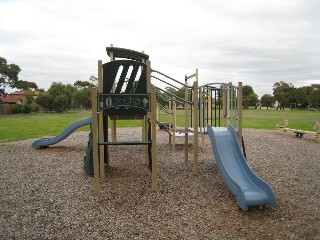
(124, 103)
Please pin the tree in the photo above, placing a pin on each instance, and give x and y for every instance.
(284, 93)
(59, 97)
(249, 97)
(82, 94)
(45, 100)
(60, 103)
(267, 100)
(57, 89)
(82, 98)
(94, 80)
(82, 84)
(302, 96)
(8, 73)
(314, 95)
(25, 85)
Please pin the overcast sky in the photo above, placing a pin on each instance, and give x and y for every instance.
(258, 42)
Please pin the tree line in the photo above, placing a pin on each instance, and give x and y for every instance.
(59, 97)
(62, 97)
(285, 95)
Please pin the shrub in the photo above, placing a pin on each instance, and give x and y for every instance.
(26, 108)
(16, 109)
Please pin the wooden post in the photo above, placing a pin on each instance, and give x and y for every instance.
(186, 121)
(149, 114)
(113, 122)
(145, 138)
(95, 140)
(174, 123)
(170, 118)
(100, 125)
(145, 129)
(240, 113)
(158, 116)
(195, 125)
(228, 103)
(209, 106)
(154, 140)
(224, 105)
(201, 109)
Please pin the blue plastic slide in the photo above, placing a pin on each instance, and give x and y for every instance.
(244, 184)
(45, 142)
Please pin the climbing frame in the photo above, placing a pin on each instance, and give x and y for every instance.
(124, 93)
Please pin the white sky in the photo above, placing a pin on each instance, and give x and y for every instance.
(258, 42)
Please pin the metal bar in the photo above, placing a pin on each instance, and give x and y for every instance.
(171, 78)
(163, 108)
(172, 95)
(125, 143)
(165, 82)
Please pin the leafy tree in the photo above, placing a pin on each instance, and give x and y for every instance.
(249, 97)
(267, 100)
(82, 84)
(284, 93)
(60, 103)
(8, 73)
(59, 97)
(45, 100)
(82, 98)
(302, 96)
(57, 89)
(25, 85)
(314, 95)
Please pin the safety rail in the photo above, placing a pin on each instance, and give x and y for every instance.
(176, 81)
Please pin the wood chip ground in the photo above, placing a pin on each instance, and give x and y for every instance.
(44, 194)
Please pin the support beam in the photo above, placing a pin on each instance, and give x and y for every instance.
(113, 122)
(154, 174)
(100, 123)
(239, 113)
(195, 126)
(174, 121)
(186, 120)
(96, 177)
(149, 114)
(229, 103)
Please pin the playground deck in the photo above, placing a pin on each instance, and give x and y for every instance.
(45, 194)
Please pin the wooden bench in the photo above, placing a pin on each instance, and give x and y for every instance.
(298, 133)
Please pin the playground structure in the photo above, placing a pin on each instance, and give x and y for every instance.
(120, 96)
(219, 104)
(299, 133)
(125, 92)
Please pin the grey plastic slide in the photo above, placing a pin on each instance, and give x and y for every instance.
(45, 142)
(245, 185)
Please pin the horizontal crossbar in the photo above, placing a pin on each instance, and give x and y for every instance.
(125, 143)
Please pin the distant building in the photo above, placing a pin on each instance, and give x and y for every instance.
(7, 102)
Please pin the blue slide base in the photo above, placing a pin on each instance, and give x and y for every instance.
(245, 185)
(46, 142)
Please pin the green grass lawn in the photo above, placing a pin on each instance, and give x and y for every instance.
(35, 125)
(25, 126)
(268, 119)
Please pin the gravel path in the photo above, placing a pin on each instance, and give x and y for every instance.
(44, 194)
